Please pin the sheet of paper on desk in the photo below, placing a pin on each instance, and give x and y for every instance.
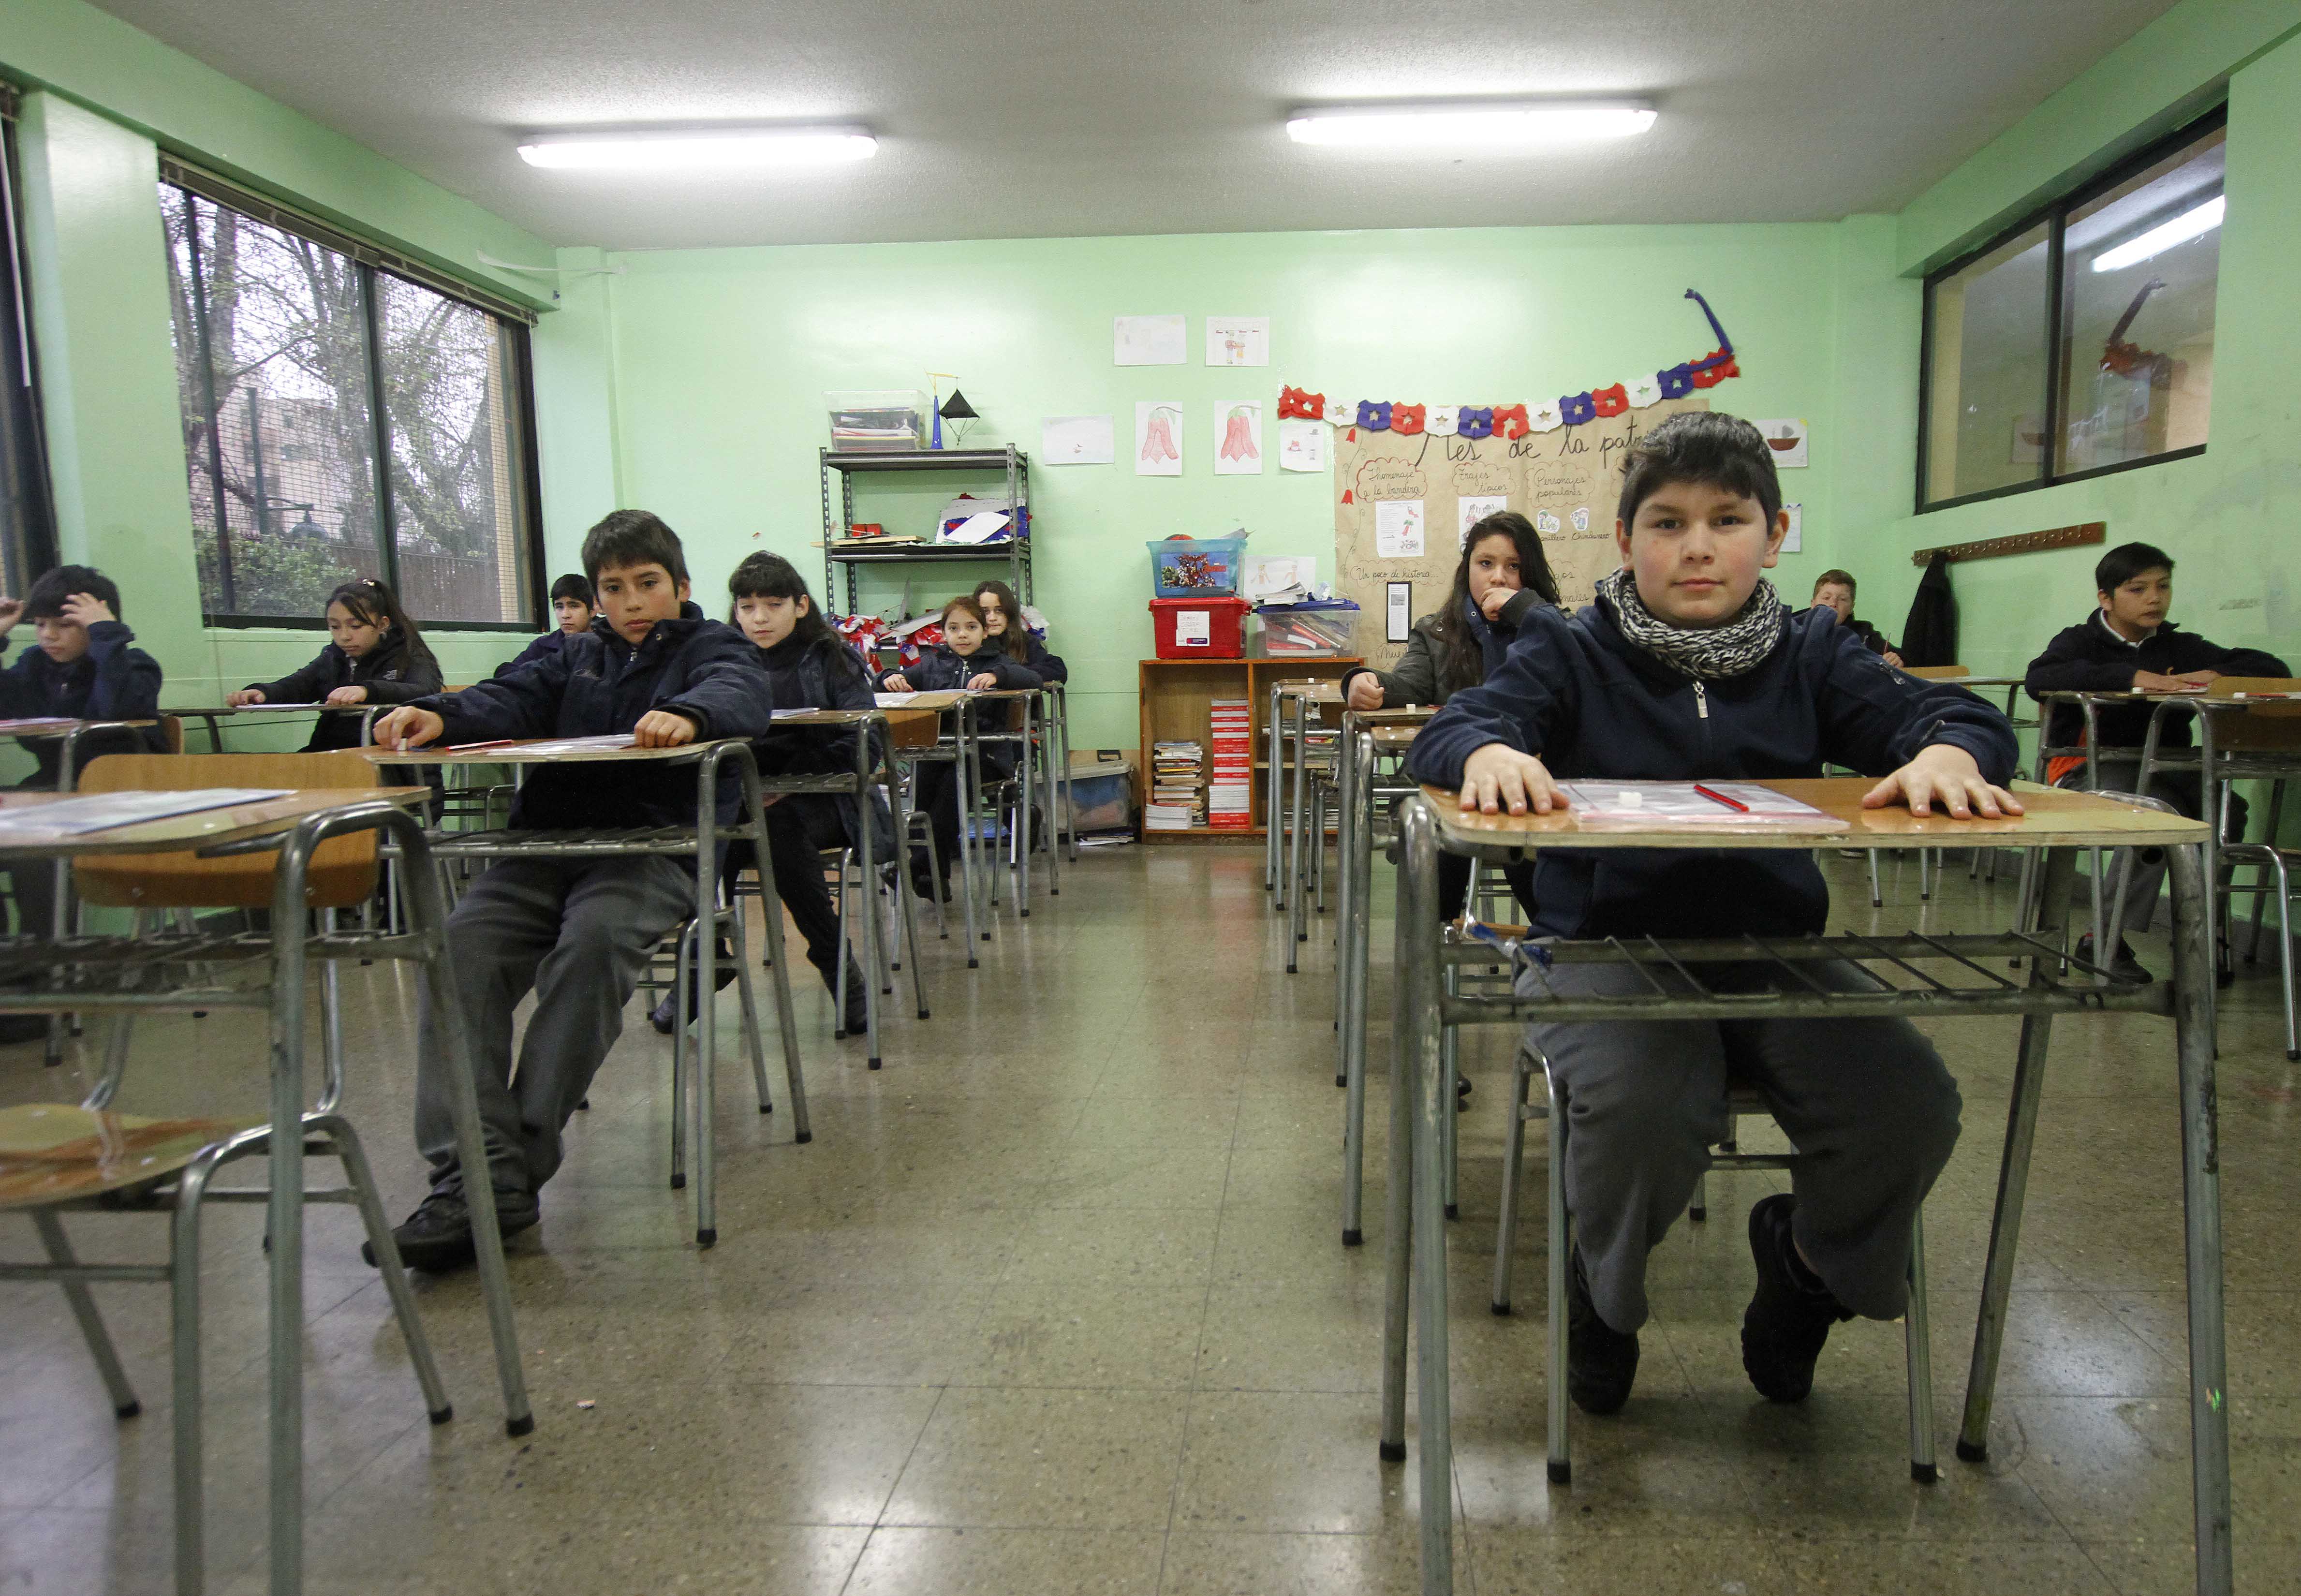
(37, 722)
(785, 714)
(102, 810)
(1667, 806)
(891, 700)
(608, 744)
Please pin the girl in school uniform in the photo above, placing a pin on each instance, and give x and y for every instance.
(807, 667)
(570, 607)
(1504, 578)
(1002, 619)
(964, 658)
(375, 655)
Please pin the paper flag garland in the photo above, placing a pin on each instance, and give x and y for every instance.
(1512, 422)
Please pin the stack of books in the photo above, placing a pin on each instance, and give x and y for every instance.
(1177, 801)
(1230, 801)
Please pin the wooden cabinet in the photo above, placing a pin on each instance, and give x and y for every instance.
(1175, 694)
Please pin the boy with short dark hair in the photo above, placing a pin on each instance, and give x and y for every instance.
(1689, 666)
(570, 614)
(1833, 591)
(577, 932)
(2128, 645)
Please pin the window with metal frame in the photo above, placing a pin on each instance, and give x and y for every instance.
(346, 417)
(2080, 341)
(27, 532)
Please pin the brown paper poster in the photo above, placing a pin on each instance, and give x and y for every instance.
(1402, 518)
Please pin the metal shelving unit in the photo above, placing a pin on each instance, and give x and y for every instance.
(1015, 554)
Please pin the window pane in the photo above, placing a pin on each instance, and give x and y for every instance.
(26, 532)
(1985, 404)
(2139, 268)
(272, 368)
(458, 461)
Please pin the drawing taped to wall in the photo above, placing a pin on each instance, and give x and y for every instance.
(1238, 438)
(1238, 340)
(1158, 438)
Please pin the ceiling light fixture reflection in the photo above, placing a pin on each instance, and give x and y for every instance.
(742, 149)
(1528, 124)
(2183, 227)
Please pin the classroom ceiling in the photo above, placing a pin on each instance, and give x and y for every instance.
(1039, 118)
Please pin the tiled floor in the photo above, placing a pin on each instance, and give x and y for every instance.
(1056, 1303)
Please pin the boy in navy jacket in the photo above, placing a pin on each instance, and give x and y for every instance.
(1688, 666)
(579, 931)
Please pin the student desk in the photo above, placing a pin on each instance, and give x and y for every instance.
(961, 749)
(70, 731)
(1368, 737)
(175, 971)
(212, 715)
(2058, 822)
(699, 842)
(1310, 701)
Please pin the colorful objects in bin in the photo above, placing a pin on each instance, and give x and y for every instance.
(1186, 567)
(1313, 626)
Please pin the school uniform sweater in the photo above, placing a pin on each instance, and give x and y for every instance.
(597, 684)
(1590, 703)
(393, 672)
(940, 670)
(1418, 676)
(550, 642)
(1032, 656)
(819, 676)
(2090, 658)
(112, 681)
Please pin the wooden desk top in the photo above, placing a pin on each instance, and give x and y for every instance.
(2055, 819)
(199, 710)
(547, 750)
(948, 699)
(1395, 739)
(56, 725)
(179, 831)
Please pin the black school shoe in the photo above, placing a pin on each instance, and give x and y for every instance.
(1602, 1363)
(723, 976)
(2124, 967)
(436, 1238)
(1786, 1323)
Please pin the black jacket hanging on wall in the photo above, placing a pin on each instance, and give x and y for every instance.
(1930, 636)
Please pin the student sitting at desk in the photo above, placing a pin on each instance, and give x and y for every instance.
(577, 931)
(1003, 622)
(375, 655)
(571, 609)
(85, 667)
(807, 667)
(1688, 666)
(1504, 576)
(2128, 645)
(1833, 591)
(964, 658)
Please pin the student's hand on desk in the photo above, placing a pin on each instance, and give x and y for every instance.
(245, 696)
(982, 681)
(896, 684)
(1365, 691)
(1944, 776)
(1498, 777)
(2151, 682)
(348, 695)
(662, 729)
(87, 609)
(408, 727)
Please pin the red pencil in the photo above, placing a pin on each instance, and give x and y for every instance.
(1721, 797)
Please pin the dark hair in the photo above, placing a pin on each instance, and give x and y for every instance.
(764, 575)
(1706, 446)
(2118, 567)
(964, 601)
(1839, 579)
(1015, 641)
(374, 604)
(573, 585)
(633, 538)
(1461, 662)
(46, 601)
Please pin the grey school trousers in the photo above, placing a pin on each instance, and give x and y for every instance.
(1867, 1104)
(579, 932)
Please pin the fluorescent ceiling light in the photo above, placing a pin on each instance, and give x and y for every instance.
(1527, 124)
(745, 149)
(2158, 240)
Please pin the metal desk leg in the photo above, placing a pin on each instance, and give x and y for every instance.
(875, 944)
(1419, 1063)
(2194, 911)
(962, 779)
(1397, 1203)
(1358, 931)
(1271, 840)
(1343, 790)
(1022, 838)
(1295, 807)
(2056, 876)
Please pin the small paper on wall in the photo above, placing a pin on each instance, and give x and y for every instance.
(1398, 529)
(1077, 440)
(1158, 438)
(1301, 445)
(1277, 573)
(1238, 438)
(1786, 439)
(1149, 340)
(1398, 611)
(1238, 340)
(1473, 508)
(1795, 543)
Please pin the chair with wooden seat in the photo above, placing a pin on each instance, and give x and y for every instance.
(56, 1159)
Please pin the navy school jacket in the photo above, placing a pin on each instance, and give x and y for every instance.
(1034, 656)
(392, 672)
(550, 642)
(112, 681)
(2091, 658)
(1590, 703)
(822, 676)
(597, 684)
(940, 670)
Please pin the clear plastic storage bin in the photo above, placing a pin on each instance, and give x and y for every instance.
(1307, 631)
(1196, 567)
(867, 420)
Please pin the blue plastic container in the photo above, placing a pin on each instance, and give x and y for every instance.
(1196, 567)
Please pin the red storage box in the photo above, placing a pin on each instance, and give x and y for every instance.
(1213, 628)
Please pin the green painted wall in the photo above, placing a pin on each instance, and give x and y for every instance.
(721, 358)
